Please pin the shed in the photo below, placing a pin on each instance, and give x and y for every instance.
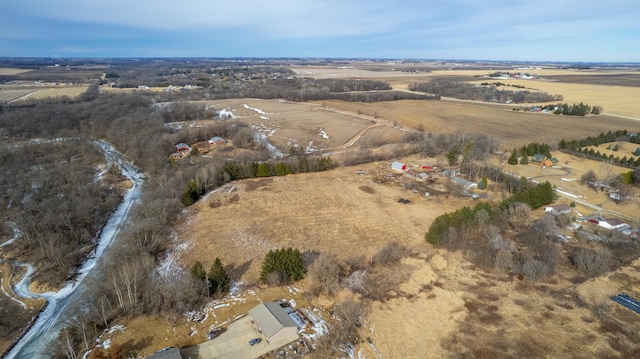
(399, 166)
(273, 321)
(450, 173)
(427, 166)
(217, 141)
(422, 176)
(557, 209)
(464, 183)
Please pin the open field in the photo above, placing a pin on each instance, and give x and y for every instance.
(16, 93)
(321, 212)
(512, 129)
(11, 71)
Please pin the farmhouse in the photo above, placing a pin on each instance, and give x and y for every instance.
(558, 209)
(612, 223)
(538, 158)
(273, 321)
(464, 183)
(217, 141)
(399, 166)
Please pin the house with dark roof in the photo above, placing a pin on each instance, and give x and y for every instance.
(273, 321)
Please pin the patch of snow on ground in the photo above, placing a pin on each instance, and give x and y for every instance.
(319, 326)
(10, 296)
(254, 109)
(102, 343)
(169, 268)
(264, 118)
(323, 134)
(224, 113)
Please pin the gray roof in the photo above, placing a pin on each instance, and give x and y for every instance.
(271, 318)
(168, 353)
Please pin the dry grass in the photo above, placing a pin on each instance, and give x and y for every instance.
(513, 129)
(16, 92)
(12, 71)
(327, 212)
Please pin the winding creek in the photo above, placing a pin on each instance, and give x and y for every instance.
(64, 304)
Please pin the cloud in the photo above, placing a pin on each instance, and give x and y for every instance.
(321, 27)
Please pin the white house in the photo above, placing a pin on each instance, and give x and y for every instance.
(612, 223)
(558, 209)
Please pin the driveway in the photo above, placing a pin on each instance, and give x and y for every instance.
(234, 343)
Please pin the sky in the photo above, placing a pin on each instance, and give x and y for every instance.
(516, 30)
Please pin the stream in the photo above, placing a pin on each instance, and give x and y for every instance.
(62, 305)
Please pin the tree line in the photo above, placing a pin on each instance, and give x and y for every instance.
(579, 147)
(491, 93)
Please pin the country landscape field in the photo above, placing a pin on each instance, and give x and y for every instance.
(226, 163)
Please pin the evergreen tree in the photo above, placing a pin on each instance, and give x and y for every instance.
(264, 170)
(287, 263)
(513, 160)
(198, 272)
(524, 160)
(219, 281)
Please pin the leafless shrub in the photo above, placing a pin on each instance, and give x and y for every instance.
(519, 215)
(535, 269)
(591, 263)
(390, 253)
(344, 335)
(326, 273)
(503, 261)
(274, 279)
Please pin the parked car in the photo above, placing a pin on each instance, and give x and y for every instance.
(255, 341)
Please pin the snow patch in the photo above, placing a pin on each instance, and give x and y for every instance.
(323, 134)
(225, 113)
(169, 268)
(264, 118)
(254, 109)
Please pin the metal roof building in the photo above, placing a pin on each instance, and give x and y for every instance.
(273, 321)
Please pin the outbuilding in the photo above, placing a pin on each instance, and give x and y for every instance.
(217, 141)
(273, 321)
(399, 166)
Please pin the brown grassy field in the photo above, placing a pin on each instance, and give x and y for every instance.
(512, 129)
(11, 71)
(9, 93)
(599, 88)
